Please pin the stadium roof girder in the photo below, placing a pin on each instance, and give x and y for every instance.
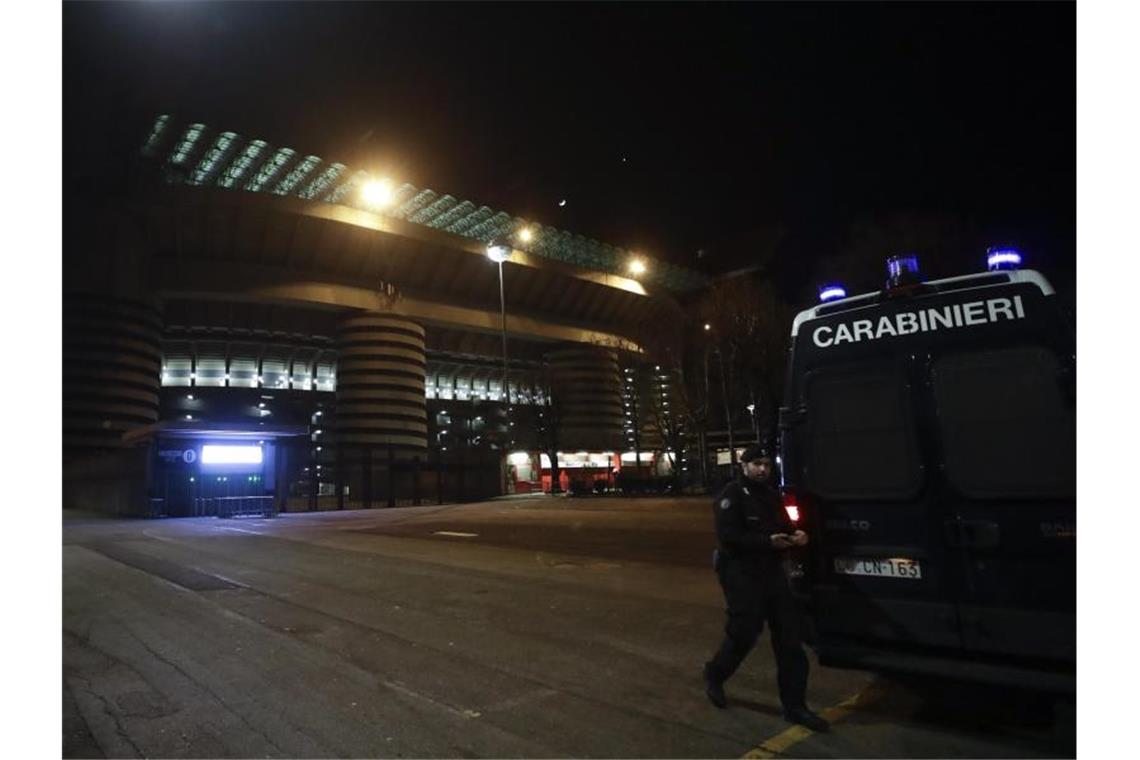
(297, 175)
(452, 215)
(157, 135)
(248, 160)
(184, 150)
(215, 158)
(255, 167)
(426, 214)
(345, 189)
(322, 182)
(271, 169)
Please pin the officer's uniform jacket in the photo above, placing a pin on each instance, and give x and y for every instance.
(747, 513)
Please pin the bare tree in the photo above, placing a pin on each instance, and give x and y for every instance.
(679, 411)
(748, 329)
(728, 313)
(727, 353)
(764, 357)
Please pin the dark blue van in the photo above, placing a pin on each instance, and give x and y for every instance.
(928, 445)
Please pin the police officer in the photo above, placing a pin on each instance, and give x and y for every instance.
(753, 533)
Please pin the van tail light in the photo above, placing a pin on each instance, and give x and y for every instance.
(791, 505)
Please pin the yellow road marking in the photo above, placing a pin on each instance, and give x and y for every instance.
(778, 744)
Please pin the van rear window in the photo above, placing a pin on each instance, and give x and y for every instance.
(861, 432)
(1006, 427)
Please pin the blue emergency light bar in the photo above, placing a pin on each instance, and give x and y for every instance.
(902, 270)
(831, 293)
(1002, 258)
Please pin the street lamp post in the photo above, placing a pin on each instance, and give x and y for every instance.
(499, 252)
(755, 425)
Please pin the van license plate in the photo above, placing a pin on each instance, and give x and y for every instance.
(880, 568)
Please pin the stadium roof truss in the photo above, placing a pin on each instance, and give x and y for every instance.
(227, 160)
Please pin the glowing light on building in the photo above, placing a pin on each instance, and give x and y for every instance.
(230, 454)
(377, 193)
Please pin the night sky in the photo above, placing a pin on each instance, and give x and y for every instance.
(713, 136)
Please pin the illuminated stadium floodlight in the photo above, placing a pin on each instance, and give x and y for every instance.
(377, 193)
(234, 162)
(228, 454)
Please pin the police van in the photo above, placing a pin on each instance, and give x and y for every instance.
(928, 446)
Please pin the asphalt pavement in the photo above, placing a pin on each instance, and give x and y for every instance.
(543, 627)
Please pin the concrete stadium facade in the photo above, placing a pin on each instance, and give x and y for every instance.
(253, 297)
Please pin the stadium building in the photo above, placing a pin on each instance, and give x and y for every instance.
(247, 327)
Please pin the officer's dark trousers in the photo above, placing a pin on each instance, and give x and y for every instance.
(749, 605)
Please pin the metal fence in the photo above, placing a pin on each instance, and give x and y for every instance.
(237, 506)
(369, 477)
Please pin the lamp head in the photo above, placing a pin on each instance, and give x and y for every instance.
(498, 251)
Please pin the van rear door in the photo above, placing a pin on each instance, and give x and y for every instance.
(1005, 422)
(879, 567)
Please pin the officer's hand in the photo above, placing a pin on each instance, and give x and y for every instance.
(799, 538)
(781, 541)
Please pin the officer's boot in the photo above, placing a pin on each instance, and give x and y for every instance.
(714, 688)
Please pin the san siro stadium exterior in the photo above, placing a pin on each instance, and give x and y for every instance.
(246, 330)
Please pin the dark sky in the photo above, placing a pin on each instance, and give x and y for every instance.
(742, 126)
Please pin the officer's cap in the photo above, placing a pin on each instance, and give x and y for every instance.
(752, 453)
